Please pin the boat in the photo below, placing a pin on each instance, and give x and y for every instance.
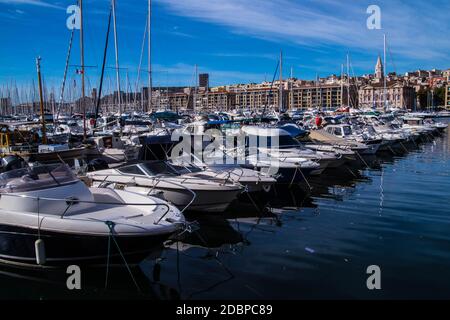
(56, 153)
(218, 166)
(279, 143)
(49, 217)
(112, 149)
(345, 131)
(323, 138)
(439, 126)
(21, 140)
(416, 124)
(187, 186)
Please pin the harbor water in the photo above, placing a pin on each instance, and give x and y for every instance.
(297, 243)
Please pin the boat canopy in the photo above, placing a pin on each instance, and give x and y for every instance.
(165, 115)
(36, 178)
(294, 130)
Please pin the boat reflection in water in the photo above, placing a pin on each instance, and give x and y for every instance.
(96, 283)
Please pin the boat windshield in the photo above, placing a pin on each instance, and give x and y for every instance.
(35, 178)
(287, 141)
(347, 130)
(166, 168)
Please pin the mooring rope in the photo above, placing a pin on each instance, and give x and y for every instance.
(306, 180)
(111, 225)
(362, 159)
(107, 261)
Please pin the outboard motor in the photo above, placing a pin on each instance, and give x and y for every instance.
(12, 162)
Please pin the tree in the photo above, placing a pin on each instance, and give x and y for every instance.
(422, 96)
(439, 96)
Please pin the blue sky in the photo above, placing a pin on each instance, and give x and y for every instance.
(236, 41)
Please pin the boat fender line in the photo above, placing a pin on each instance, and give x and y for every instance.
(39, 245)
(111, 226)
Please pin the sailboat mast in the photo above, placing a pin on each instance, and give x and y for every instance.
(138, 79)
(196, 87)
(342, 85)
(41, 100)
(291, 85)
(150, 80)
(127, 100)
(99, 97)
(317, 90)
(119, 98)
(280, 94)
(63, 86)
(384, 72)
(348, 80)
(83, 93)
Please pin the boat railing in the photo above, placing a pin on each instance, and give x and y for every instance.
(132, 182)
(73, 201)
(192, 192)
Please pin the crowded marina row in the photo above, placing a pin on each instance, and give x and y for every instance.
(66, 192)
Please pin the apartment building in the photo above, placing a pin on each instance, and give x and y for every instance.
(398, 94)
(322, 96)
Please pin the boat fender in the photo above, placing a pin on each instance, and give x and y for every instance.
(39, 247)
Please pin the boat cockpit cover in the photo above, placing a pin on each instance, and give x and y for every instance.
(36, 178)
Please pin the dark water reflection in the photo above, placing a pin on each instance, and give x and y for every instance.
(297, 243)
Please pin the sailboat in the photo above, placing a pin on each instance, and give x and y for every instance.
(24, 139)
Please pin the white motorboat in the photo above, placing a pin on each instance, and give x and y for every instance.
(112, 149)
(278, 143)
(439, 126)
(187, 187)
(50, 217)
(218, 166)
(345, 131)
(416, 124)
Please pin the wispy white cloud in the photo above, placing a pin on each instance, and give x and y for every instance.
(266, 56)
(416, 29)
(32, 2)
(181, 34)
(184, 74)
